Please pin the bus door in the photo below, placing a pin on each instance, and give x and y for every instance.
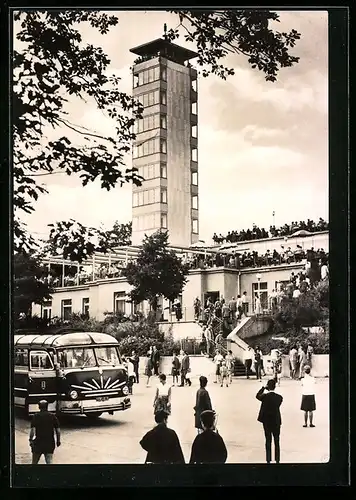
(42, 381)
(20, 376)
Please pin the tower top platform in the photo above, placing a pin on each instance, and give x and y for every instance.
(167, 49)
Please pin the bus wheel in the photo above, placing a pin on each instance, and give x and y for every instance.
(94, 414)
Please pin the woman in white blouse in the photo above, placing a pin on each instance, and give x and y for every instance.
(162, 400)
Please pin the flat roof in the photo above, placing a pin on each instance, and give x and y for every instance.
(63, 339)
(150, 48)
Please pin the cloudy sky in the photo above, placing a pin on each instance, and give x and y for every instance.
(263, 146)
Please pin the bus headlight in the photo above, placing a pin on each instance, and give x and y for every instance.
(73, 394)
(125, 390)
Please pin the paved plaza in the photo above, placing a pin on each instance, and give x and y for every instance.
(115, 439)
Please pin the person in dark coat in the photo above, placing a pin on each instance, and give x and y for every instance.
(270, 416)
(43, 427)
(161, 443)
(202, 404)
(208, 447)
(135, 360)
(155, 358)
(184, 370)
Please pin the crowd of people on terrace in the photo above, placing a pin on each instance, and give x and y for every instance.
(238, 260)
(257, 233)
(234, 260)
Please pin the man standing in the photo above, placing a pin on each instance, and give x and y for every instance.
(161, 443)
(244, 303)
(155, 357)
(248, 361)
(233, 311)
(258, 362)
(239, 307)
(270, 416)
(184, 370)
(293, 358)
(43, 427)
(135, 360)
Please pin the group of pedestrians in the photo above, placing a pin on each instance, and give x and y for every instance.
(162, 443)
(163, 446)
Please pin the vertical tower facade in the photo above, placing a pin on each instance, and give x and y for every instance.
(165, 151)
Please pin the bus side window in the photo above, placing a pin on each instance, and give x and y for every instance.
(41, 361)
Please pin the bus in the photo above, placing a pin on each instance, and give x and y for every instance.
(78, 373)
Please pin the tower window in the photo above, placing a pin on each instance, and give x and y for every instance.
(195, 226)
(164, 171)
(164, 74)
(194, 85)
(195, 178)
(194, 131)
(163, 121)
(164, 97)
(194, 154)
(195, 202)
(194, 108)
(164, 221)
(163, 146)
(163, 196)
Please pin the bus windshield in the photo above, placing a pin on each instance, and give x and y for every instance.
(82, 357)
(77, 357)
(107, 356)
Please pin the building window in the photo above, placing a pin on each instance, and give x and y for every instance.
(195, 202)
(21, 358)
(194, 108)
(149, 99)
(164, 73)
(146, 123)
(66, 309)
(47, 309)
(150, 171)
(85, 306)
(163, 121)
(194, 154)
(261, 289)
(195, 226)
(163, 196)
(148, 147)
(147, 76)
(135, 199)
(119, 302)
(164, 171)
(164, 97)
(164, 221)
(194, 131)
(163, 144)
(194, 85)
(195, 178)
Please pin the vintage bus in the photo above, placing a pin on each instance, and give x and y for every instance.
(76, 372)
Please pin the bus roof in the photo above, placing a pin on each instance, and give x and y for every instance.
(63, 339)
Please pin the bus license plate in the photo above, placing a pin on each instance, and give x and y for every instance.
(102, 398)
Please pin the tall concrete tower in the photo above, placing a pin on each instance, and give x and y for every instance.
(166, 146)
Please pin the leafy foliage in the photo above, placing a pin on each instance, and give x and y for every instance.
(53, 63)
(72, 240)
(245, 32)
(157, 271)
(310, 309)
(28, 287)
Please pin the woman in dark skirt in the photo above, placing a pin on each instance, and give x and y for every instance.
(308, 397)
